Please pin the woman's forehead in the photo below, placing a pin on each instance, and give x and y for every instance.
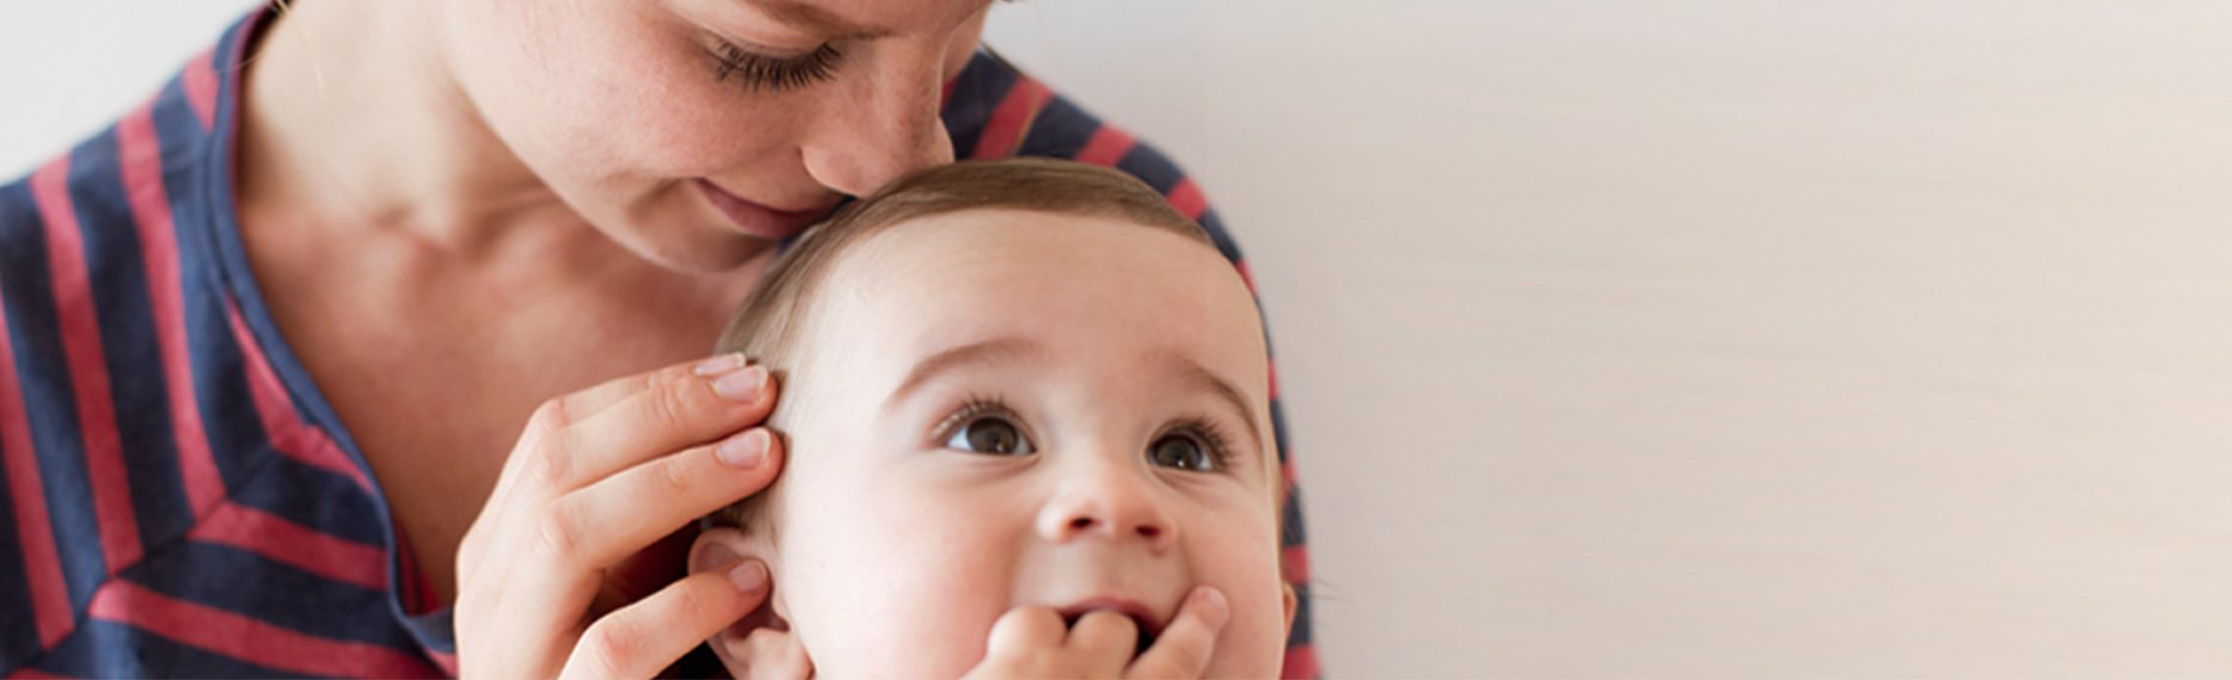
(864, 19)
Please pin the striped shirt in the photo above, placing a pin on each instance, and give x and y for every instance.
(180, 500)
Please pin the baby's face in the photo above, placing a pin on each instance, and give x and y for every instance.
(999, 408)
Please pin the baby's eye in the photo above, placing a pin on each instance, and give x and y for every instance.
(1181, 451)
(992, 435)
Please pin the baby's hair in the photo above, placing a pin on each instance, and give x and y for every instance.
(767, 324)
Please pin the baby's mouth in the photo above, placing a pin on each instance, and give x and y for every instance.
(1148, 629)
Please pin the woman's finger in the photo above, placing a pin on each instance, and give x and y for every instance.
(565, 410)
(601, 524)
(1184, 648)
(639, 640)
(582, 404)
(644, 572)
(676, 409)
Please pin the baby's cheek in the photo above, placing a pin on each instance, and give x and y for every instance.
(909, 630)
(1254, 643)
(1246, 568)
(903, 604)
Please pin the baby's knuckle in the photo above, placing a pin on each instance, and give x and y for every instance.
(1044, 630)
(1187, 656)
(1039, 663)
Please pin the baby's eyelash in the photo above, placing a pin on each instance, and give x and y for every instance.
(756, 71)
(1213, 436)
(1201, 427)
(974, 407)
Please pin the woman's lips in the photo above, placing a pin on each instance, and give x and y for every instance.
(755, 219)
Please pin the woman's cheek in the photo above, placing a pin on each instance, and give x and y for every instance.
(682, 123)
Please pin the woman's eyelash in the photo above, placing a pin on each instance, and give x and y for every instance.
(755, 71)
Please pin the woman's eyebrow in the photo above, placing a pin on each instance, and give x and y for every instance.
(816, 20)
(988, 351)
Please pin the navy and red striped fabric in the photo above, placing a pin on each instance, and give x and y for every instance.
(179, 499)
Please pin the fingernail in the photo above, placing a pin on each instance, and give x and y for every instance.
(743, 386)
(749, 577)
(1214, 607)
(744, 451)
(720, 364)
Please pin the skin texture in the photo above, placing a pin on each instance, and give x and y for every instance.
(626, 141)
(513, 182)
(895, 549)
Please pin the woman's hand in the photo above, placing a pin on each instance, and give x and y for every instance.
(1032, 642)
(599, 476)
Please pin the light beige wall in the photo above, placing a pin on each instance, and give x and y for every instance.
(1726, 339)
(1653, 339)
(68, 69)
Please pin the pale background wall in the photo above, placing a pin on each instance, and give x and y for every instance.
(1648, 339)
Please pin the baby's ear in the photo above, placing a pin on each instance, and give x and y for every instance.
(1289, 601)
(759, 646)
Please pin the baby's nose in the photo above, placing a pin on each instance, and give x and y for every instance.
(1111, 505)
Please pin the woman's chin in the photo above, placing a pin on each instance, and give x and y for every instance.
(727, 255)
(701, 251)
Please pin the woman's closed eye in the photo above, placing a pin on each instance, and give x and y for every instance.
(755, 70)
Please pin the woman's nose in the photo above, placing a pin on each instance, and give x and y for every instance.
(1108, 502)
(886, 126)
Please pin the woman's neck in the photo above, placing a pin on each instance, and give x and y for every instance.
(352, 119)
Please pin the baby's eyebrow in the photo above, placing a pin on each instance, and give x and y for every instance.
(989, 351)
(1204, 378)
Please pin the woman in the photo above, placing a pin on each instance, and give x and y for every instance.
(352, 321)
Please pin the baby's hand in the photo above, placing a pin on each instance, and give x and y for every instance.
(1031, 642)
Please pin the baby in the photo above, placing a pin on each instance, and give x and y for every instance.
(1026, 405)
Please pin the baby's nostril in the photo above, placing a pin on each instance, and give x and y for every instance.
(1081, 523)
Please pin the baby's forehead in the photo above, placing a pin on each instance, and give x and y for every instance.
(1089, 291)
(1019, 246)
(1053, 272)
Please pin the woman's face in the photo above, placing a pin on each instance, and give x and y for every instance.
(697, 133)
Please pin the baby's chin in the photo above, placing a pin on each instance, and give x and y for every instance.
(954, 660)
